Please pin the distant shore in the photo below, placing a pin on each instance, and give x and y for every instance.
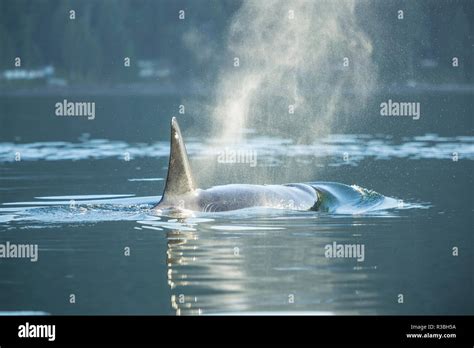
(130, 89)
(195, 87)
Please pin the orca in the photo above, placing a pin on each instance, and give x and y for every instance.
(180, 192)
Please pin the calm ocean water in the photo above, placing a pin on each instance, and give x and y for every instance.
(88, 208)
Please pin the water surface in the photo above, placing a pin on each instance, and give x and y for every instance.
(84, 204)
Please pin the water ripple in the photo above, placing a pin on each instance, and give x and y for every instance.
(271, 151)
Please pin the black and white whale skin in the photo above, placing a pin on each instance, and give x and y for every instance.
(180, 192)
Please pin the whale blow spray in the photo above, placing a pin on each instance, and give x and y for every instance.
(290, 67)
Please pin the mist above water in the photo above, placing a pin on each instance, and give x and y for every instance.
(291, 67)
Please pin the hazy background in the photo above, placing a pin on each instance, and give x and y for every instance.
(331, 62)
(336, 133)
(104, 32)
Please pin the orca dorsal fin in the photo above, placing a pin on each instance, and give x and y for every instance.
(179, 180)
